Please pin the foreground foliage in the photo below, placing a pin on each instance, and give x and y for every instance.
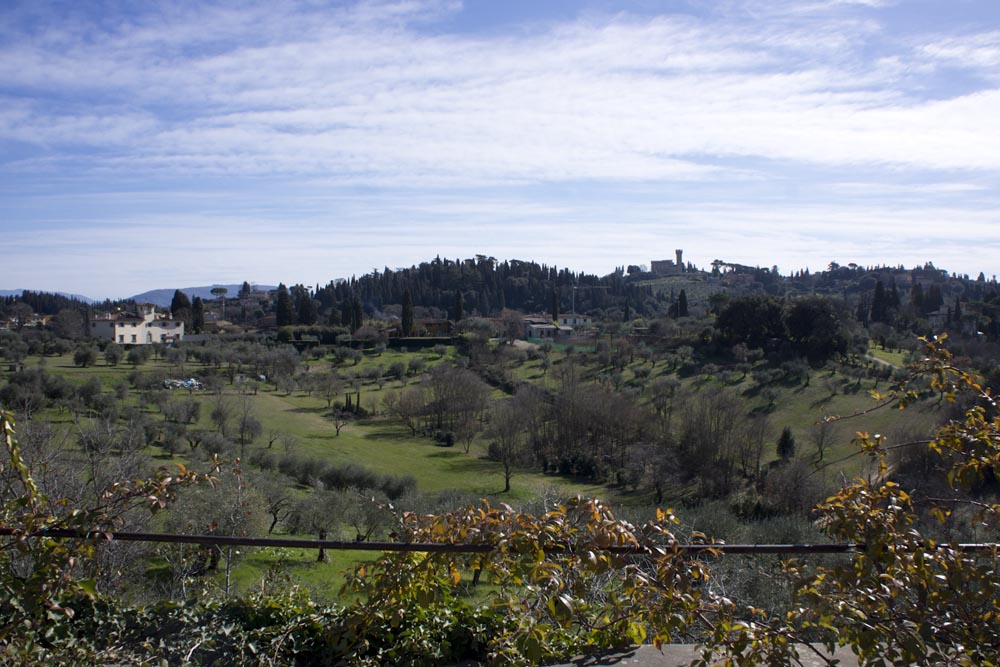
(37, 573)
(905, 597)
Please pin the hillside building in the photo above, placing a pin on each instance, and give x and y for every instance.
(538, 326)
(574, 320)
(142, 328)
(668, 267)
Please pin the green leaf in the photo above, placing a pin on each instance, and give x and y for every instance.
(88, 587)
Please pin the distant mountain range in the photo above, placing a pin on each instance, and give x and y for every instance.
(163, 297)
(17, 292)
(157, 297)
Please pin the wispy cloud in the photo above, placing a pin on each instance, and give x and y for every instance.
(977, 51)
(364, 95)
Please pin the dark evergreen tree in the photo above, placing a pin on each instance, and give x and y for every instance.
(756, 321)
(515, 284)
(407, 318)
(786, 444)
(197, 315)
(284, 310)
(179, 303)
(814, 325)
(555, 305)
(863, 311)
(245, 290)
(682, 304)
(880, 303)
(346, 311)
(308, 312)
(894, 300)
(459, 309)
(917, 298)
(357, 315)
(934, 299)
(180, 307)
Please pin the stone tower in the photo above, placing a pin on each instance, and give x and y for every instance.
(680, 259)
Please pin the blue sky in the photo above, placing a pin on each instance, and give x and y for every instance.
(150, 145)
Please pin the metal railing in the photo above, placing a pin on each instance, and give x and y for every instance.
(440, 547)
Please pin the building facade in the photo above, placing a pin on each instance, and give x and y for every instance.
(668, 267)
(142, 328)
(574, 320)
(536, 326)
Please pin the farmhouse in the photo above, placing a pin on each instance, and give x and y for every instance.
(574, 320)
(142, 328)
(542, 327)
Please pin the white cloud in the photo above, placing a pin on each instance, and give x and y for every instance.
(373, 99)
(975, 51)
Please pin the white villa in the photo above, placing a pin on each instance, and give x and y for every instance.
(143, 328)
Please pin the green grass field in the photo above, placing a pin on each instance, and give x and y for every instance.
(387, 446)
(897, 358)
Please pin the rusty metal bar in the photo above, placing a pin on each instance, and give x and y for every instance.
(434, 547)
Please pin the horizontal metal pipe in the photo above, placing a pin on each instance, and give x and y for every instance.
(436, 547)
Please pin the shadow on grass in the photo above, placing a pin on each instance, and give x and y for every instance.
(390, 435)
(822, 401)
(473, 465)
(445, 455)
(307, 411)
(331, 435)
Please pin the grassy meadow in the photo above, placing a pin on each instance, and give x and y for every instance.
(385, 445)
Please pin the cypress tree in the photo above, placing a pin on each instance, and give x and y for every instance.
(407, 322)
(179, 303)
(284, 312)
(555, 305)
(879, 303)
(180, 307)
(917, 298)
(197, 315)
(894, 295)
(308, 312)
(346, 312)
(357, 315)
(933, 300)
(459, 305)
